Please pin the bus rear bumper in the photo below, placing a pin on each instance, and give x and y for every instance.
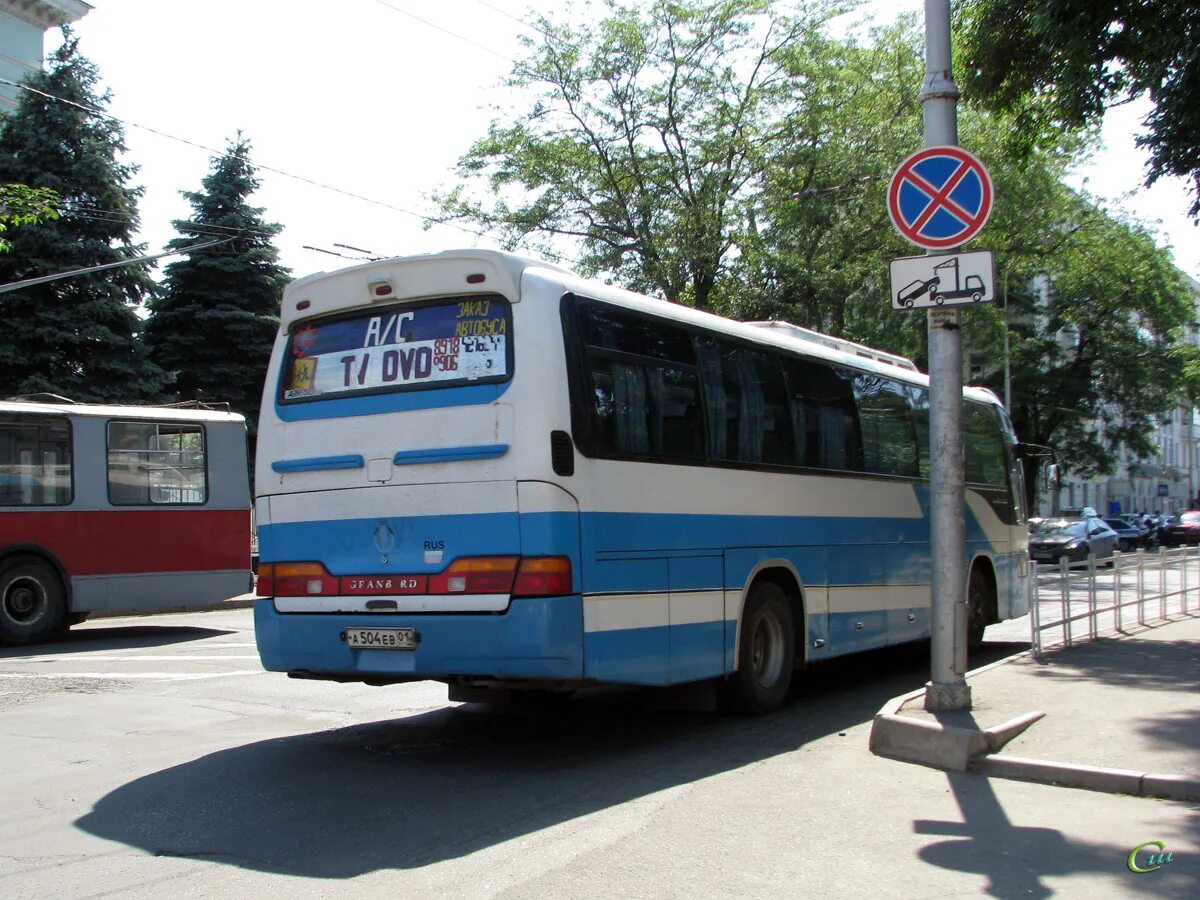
(535, 639)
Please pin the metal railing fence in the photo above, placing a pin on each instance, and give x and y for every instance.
(1077, 601)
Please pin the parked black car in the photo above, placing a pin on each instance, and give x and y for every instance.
(1074, 538)
(1185, 531)
(1129, 536)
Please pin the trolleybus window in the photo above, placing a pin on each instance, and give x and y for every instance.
(154, 463)
(35, 461)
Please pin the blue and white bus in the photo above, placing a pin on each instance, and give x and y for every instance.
(485, 470)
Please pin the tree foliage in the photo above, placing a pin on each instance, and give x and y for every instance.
(1099, 347)
(793, 221)
(214, 322)
(75, 336)
(1073, 58)
(643, 140)
(23, 205)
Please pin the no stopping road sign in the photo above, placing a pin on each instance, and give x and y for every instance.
(940, 197)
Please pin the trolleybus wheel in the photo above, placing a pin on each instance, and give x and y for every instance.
(33, 604)
(766, 652)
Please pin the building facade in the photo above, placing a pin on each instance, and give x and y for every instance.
(23, 26)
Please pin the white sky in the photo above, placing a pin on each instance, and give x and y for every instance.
(362, 96)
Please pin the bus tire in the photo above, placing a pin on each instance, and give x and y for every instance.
(766, 652)
(33, 604)
(980, 600)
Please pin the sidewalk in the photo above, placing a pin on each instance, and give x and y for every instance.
(1128, 703)
(239, 602)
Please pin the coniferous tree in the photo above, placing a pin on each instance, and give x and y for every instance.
(214, 322)
(76, 336)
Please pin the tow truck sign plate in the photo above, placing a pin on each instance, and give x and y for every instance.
(955, 279)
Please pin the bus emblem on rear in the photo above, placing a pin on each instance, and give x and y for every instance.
(385, 540)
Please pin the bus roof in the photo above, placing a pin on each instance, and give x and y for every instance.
(114, 411)
(407, 276)
(508, 268)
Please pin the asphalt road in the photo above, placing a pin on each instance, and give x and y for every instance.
(152, 757)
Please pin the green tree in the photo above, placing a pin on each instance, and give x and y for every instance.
(642, 142)
(1071, 59)
(23, 205)
(1099, 348)
(215, 319)
(76, 336)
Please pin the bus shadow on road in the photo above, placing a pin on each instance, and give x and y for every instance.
(116, 637)
(440, 785)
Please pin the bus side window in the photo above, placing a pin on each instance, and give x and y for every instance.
(919, 398)
(825, 416)
(889, 436)
(984, 460)
(748, 418)
(641, 384)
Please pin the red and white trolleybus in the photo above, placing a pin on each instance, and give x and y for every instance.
(117, 508)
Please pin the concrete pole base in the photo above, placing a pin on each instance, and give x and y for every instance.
(947, 696)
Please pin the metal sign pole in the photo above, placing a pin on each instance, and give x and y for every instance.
(947, 688)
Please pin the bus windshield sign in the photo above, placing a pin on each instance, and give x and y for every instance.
(401, 347)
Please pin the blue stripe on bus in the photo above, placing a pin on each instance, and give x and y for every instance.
(318, 463)
(448, 454)
(397, 401)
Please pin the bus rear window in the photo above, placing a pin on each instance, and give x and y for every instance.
(409, 347)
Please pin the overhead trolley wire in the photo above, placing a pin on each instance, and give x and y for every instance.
(485, 49)
(216, 154)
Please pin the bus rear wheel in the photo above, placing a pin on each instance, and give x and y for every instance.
(33, 604)
(766, 652)
(980, 600)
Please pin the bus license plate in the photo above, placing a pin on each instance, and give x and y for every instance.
(381, 638)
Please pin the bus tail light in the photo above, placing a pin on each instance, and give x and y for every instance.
(534, 576)
(264, 586)
(476, 575)
(302, 580)
(543, 576)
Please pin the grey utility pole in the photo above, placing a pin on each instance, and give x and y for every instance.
(947, 688)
